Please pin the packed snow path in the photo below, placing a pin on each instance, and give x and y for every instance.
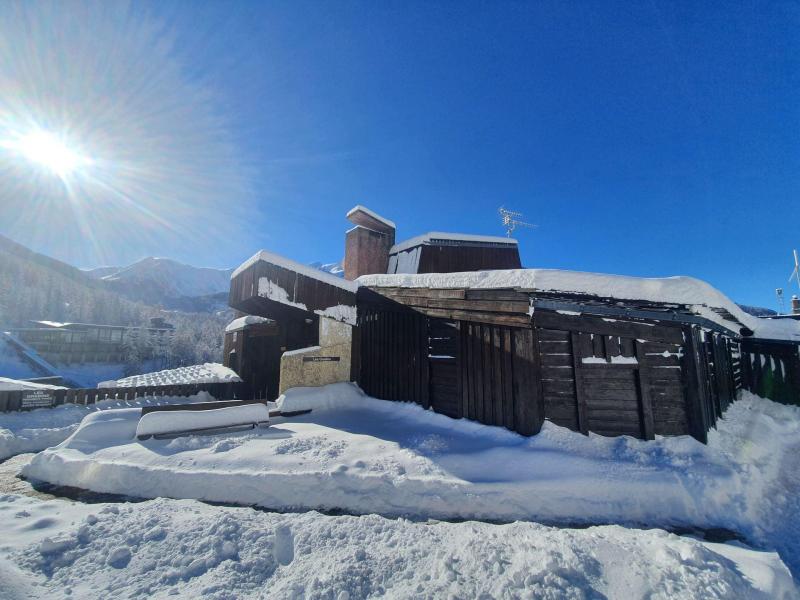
(163, 548)
(362, 455)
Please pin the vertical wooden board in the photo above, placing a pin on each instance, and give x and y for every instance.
(580, 392)
(693, 386)
(508, 375)
(469, 361)
(477, 371)
(425, 365)
(486, 351)
(626, 347)
(497, 375)
(612, 346)
(598, 345)
(527, 418)
(459, 368)
(645, 399)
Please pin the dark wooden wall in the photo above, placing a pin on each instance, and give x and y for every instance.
(490, 361)
(483, 372)
(455, 259)
(611, 376)
(771, 370)
(313, 293)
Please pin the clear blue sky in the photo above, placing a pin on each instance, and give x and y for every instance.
(650, 139)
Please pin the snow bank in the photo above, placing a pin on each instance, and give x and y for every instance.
(184, 548)
(205, 373)
(242, 322)
(157, 423)
(35, 430)
(7, 385)
(672, 290)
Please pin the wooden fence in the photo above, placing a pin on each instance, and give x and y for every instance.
(17, 400)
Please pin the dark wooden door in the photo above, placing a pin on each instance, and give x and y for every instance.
(443, 346)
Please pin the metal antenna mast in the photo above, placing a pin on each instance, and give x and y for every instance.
(779, 296)
(510, 219)
(796, 273)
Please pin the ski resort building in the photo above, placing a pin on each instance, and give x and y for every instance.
(78, 343)
(453, 323)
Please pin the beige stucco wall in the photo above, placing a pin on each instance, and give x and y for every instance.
(335, 339)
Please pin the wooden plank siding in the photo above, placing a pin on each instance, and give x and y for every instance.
(614, 375)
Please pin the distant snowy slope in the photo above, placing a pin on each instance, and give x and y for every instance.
(332, 268)
(154, 280)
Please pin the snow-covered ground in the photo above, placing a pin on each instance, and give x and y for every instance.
(205, 373)
(362, 455)
(185, 548)
(34, 430)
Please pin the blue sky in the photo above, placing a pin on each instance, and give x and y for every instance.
(646, 139)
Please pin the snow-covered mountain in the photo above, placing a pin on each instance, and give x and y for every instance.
(162, 280)
(332, 268)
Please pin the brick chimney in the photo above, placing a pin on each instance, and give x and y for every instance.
(367, 245)
(795, 305)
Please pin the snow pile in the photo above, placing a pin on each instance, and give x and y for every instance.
(205, 373)
(183, 548)
(242, 322)
(9, 385)
(35, 430)
(697, 294)
(171, 421)
(364, 455)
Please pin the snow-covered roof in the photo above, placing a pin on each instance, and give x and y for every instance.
(374, 215)
(292, 265)
(205, 373)
(242, 322)
(7, 385)
(701, 297)
(432, 236)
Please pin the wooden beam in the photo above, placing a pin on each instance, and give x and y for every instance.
(580, 392)
(643, 380)
(664, 331)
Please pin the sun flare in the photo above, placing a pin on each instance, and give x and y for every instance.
(49, 151)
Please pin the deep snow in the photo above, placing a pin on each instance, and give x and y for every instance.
(163, 548)
(34, 430)
(363, 455)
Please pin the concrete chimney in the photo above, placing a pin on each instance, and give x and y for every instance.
(367, 245)
(795, 305)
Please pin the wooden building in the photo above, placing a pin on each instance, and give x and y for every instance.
(513, 347)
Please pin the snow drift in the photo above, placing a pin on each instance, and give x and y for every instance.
(184, 548)
(364, 455)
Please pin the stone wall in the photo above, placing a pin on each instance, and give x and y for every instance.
(300, 369)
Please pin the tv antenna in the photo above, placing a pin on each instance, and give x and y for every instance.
(779, 296)
(796, 273)
(511, 220)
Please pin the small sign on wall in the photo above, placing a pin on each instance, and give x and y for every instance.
(37, 399)
(320, 359)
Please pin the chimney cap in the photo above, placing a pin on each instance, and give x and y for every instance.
(361, 215)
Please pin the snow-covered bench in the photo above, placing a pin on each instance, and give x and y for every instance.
(200, 417)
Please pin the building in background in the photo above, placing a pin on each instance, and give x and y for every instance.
(78, 343)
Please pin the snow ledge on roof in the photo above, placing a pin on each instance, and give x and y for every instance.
(242, 322)
(373, 214)
(287, 263)
(697, 294)
(426, 238)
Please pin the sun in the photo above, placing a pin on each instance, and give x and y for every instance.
(48, 150)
